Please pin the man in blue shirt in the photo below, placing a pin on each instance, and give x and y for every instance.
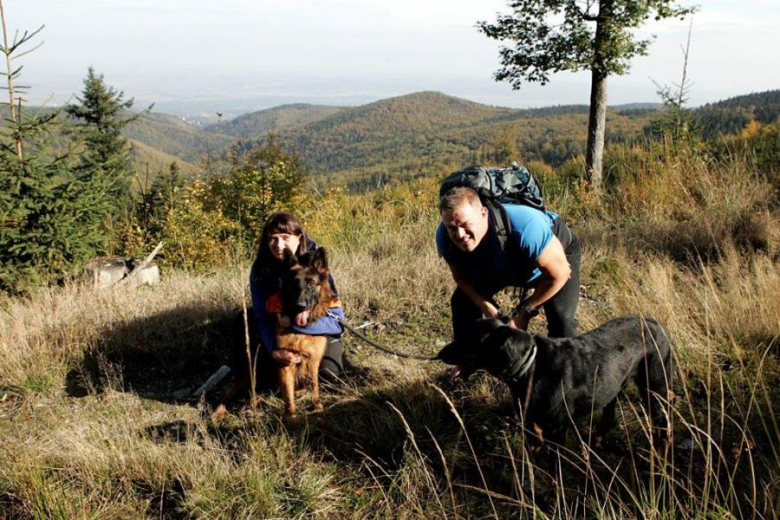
(541, 253)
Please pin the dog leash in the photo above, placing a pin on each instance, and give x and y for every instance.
(376, 345)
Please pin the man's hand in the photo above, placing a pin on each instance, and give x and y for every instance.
(489, 310)
(286, 357)
(520, 321)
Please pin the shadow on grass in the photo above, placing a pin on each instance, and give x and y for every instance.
(382, 428)
(164, 357)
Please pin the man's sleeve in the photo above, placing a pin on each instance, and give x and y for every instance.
(534, 235)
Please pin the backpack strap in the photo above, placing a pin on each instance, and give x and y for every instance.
(501, 219)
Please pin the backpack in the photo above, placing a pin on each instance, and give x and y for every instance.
(498, 186)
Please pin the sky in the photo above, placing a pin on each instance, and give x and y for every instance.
(253, 54)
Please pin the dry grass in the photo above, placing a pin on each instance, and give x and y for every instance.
(90, 427)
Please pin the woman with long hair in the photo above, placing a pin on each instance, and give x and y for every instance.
(284, 231)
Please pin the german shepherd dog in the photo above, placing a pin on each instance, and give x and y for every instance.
(305, 290)
(552, 379)
(305, 293)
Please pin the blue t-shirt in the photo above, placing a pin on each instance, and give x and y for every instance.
(514, 266)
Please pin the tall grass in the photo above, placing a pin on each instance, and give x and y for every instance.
(90, 426)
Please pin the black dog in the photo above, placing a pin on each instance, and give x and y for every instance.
(554, 378)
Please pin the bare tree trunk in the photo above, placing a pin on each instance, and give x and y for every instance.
(10, 77)
(604, 40)
(596, 128)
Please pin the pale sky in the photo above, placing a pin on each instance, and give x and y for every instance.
(335, 50)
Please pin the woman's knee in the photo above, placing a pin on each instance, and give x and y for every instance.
(331, 365)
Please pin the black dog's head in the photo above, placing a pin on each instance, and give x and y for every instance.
(491, 345)
(304, 284)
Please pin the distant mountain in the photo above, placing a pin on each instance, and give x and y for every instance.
(732, 115)
(257, 124)
(637, 106)
(756, 99)
(156, 140)
(425, 133)
(422, 111)
(176, 137)
(428, 132)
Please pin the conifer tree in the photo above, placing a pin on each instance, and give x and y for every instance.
(49, 212)
(101, 116)
(164, 194)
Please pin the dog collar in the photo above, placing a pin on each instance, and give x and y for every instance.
(520, 367)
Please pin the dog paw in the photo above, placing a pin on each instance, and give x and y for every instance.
(294, 421)
(318, 407)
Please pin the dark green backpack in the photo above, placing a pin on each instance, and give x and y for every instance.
(498, 186)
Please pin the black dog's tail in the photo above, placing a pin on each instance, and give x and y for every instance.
(656, 374)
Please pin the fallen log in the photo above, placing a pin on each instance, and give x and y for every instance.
(211, 382)
(143, 266)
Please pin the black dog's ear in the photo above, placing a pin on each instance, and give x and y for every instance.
(498, 338)
(320, 261)
(289, 260)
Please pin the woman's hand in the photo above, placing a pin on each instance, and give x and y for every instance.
(286, 357)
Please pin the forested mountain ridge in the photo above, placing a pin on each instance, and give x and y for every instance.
(731, 115)
(273, 119)
(175, 137)
(407, 136)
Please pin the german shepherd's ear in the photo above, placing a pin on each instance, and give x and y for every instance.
(288, 259)
(320, 261)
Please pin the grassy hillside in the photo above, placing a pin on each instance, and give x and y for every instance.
(96, 422)
(156, 140)
(147, 158)
(257, 124)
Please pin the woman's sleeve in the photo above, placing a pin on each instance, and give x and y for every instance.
(263, 319)
(327, 325)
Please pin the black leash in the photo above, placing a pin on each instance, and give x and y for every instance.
(379, 346)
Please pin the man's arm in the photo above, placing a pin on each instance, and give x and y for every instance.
(485, 305)
(556, 271)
